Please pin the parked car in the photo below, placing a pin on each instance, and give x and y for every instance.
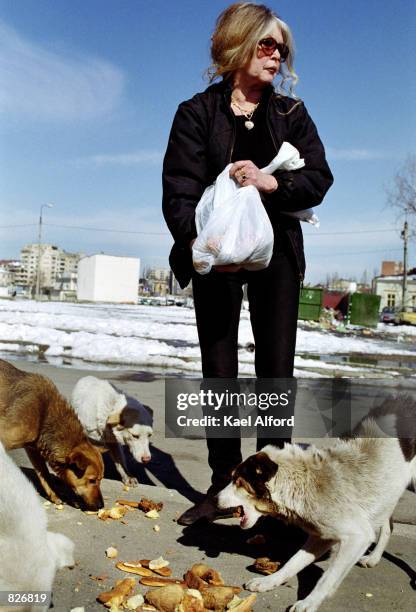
(388, 315)
(406, 318)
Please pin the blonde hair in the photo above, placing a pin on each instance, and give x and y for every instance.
(237, 32)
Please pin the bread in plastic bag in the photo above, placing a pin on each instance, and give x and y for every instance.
(236, 232)
(232, 224)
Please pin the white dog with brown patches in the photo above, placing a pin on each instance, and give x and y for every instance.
(115, 420)
(343, 497)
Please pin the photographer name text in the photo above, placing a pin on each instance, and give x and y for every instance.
(231, 421)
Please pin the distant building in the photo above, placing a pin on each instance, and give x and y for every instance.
(54, 262)
(390, 289)
(105, 278)
(159, 274)
(14, 272)
(144, 287)
(65, 288)
(391, 268)
(343, 285)
(8, 273)
(158, 281)
(6, 282)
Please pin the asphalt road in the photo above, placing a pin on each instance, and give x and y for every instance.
(177, 475)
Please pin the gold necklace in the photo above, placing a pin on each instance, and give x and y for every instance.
(249, 124)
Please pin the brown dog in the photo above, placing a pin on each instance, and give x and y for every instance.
(36, 417)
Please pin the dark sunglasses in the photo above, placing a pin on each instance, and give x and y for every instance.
(269, 46)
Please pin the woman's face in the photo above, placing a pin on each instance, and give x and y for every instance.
(263, 68)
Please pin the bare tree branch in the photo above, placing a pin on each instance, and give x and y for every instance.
(402, 194)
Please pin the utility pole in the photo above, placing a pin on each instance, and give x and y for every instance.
(404, 235)
(170, 282)
(38, 267)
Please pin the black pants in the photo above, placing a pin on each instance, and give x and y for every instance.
(273, 296)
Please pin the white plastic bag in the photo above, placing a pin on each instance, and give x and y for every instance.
(288, 158)
(232, 224)
(233, 228)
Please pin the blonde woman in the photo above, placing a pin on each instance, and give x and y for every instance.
(244, 120)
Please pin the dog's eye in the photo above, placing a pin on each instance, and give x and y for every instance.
(258, 471)
(93, 481)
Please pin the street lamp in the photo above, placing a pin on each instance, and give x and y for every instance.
(38, 270)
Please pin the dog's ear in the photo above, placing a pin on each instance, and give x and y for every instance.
(77, 458)
(148, 409)
(273, 452)
(254, 474)
(241, 482)
(114, 418)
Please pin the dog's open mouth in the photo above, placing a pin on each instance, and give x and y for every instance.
(243, 521)
(240, 513)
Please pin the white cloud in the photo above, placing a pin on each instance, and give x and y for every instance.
(356, 154)
(122, 159)
(43, 84)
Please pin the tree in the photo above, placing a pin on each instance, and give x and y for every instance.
(402, 194)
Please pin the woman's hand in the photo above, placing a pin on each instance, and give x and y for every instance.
(246, 173)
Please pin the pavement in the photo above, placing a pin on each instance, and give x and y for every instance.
(177, 475)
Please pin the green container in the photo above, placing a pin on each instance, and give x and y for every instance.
(310, 304)
(364, 309)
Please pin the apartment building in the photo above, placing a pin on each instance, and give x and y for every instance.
(390, 289)
(54, 263)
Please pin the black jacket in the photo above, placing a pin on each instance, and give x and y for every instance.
(200, 146)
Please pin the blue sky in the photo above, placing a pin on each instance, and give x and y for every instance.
(89, 90)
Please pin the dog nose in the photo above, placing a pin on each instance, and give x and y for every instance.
(146, 458)
(97, 504)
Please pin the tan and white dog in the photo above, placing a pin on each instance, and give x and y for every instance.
(36, 417)
(343, 496)
(114, 420)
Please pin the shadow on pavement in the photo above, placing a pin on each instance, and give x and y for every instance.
(162, 466)
(59, 487)
(403, 565)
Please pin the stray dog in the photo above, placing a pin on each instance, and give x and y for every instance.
(112, 419)
(343, 497)
(36, 417)
(30, 555)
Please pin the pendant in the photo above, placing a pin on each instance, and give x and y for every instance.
(249, 125)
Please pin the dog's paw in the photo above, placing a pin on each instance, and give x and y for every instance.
(303, 605)
(130, 481)
(369, 561)
(261, 585)
(55, 499)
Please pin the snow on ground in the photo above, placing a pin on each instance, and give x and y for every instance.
(165, 338)
(397, 330)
